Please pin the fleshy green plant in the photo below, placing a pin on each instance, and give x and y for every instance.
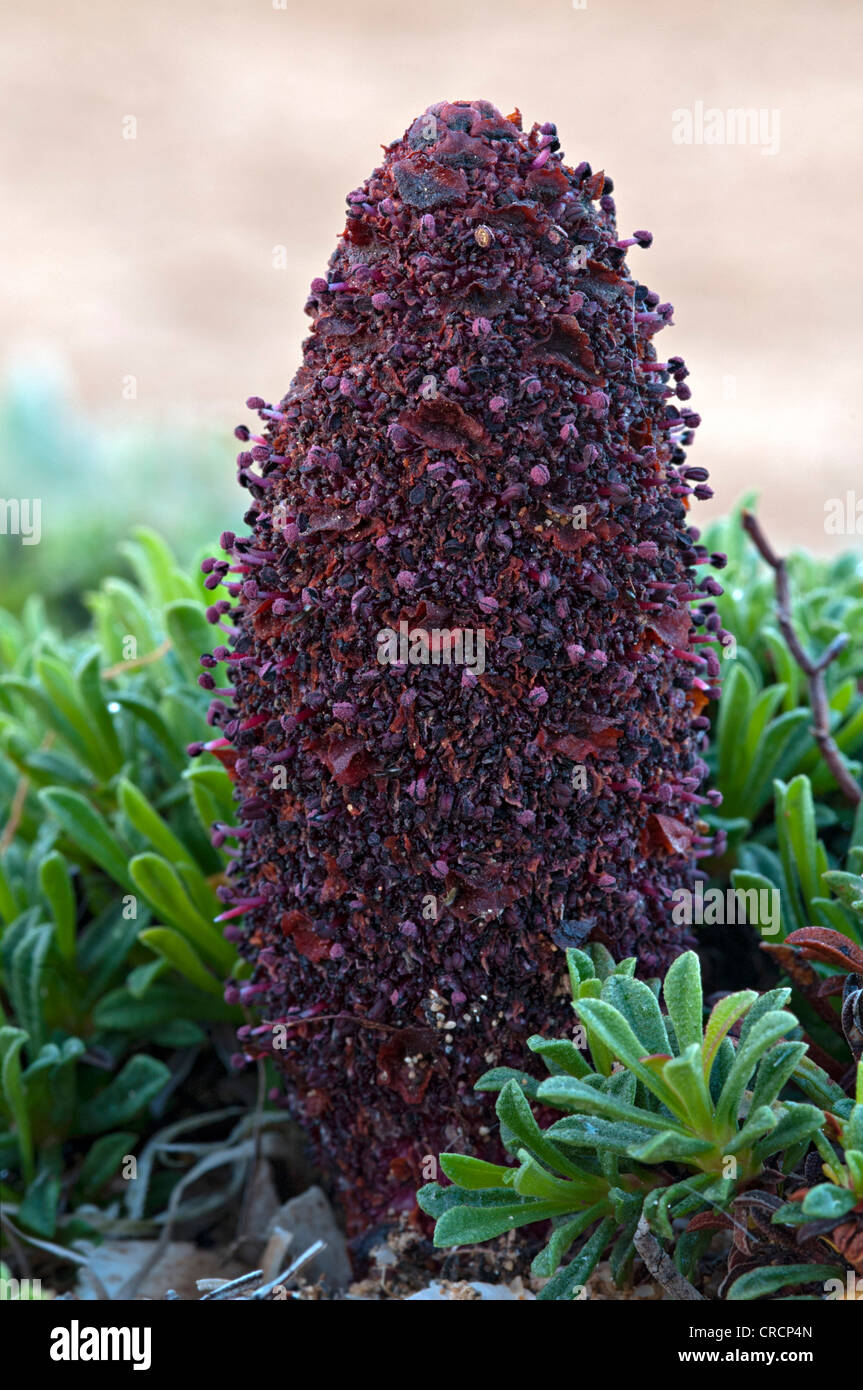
(832, 1210)
(763, 721)
(789, 855)
(111, 958)
(842, 1189)
(662, 1116)
(826, 971)
(814, 890)
(111, 966)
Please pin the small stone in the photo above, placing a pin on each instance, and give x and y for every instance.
(308, 1218)
(477, 1292)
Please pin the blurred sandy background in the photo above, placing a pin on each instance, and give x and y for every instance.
(153, 257)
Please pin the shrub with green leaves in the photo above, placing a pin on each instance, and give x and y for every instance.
(763, 720)
(777, 1243)
(789, 855)
(110, 958)
(843, 1169)
(663, 1115)
(112, 966)
(814, 890)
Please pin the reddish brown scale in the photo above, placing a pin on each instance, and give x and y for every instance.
(480, 437)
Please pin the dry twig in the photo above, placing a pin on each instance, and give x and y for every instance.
(19, 800)
(661, 1267)
(812, 669)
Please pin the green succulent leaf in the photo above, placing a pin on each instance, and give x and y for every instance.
(56, 885)
(516, 1116)
(93, 703)
(671, 1147)
(177, 951)
(594, 1134)
(571, 1280)
(570, 1093)
(486, 1215)
(560, 1055)
(828, 1202)
(797, 1124)
(103, 1161)
(89, 831)
(566, 1231)
(498, 1077)
(768, 1030)
(130, 1092)
(122, 1011)
(39, 1209)
(685, 1074)
(12, 1040)
(775, 1070)
(722, 1019)
(683, 999)
(617, 1035)
(163, 888)
(475, 1174)
(637, 1004)
(761, 1283)
(190, 635)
